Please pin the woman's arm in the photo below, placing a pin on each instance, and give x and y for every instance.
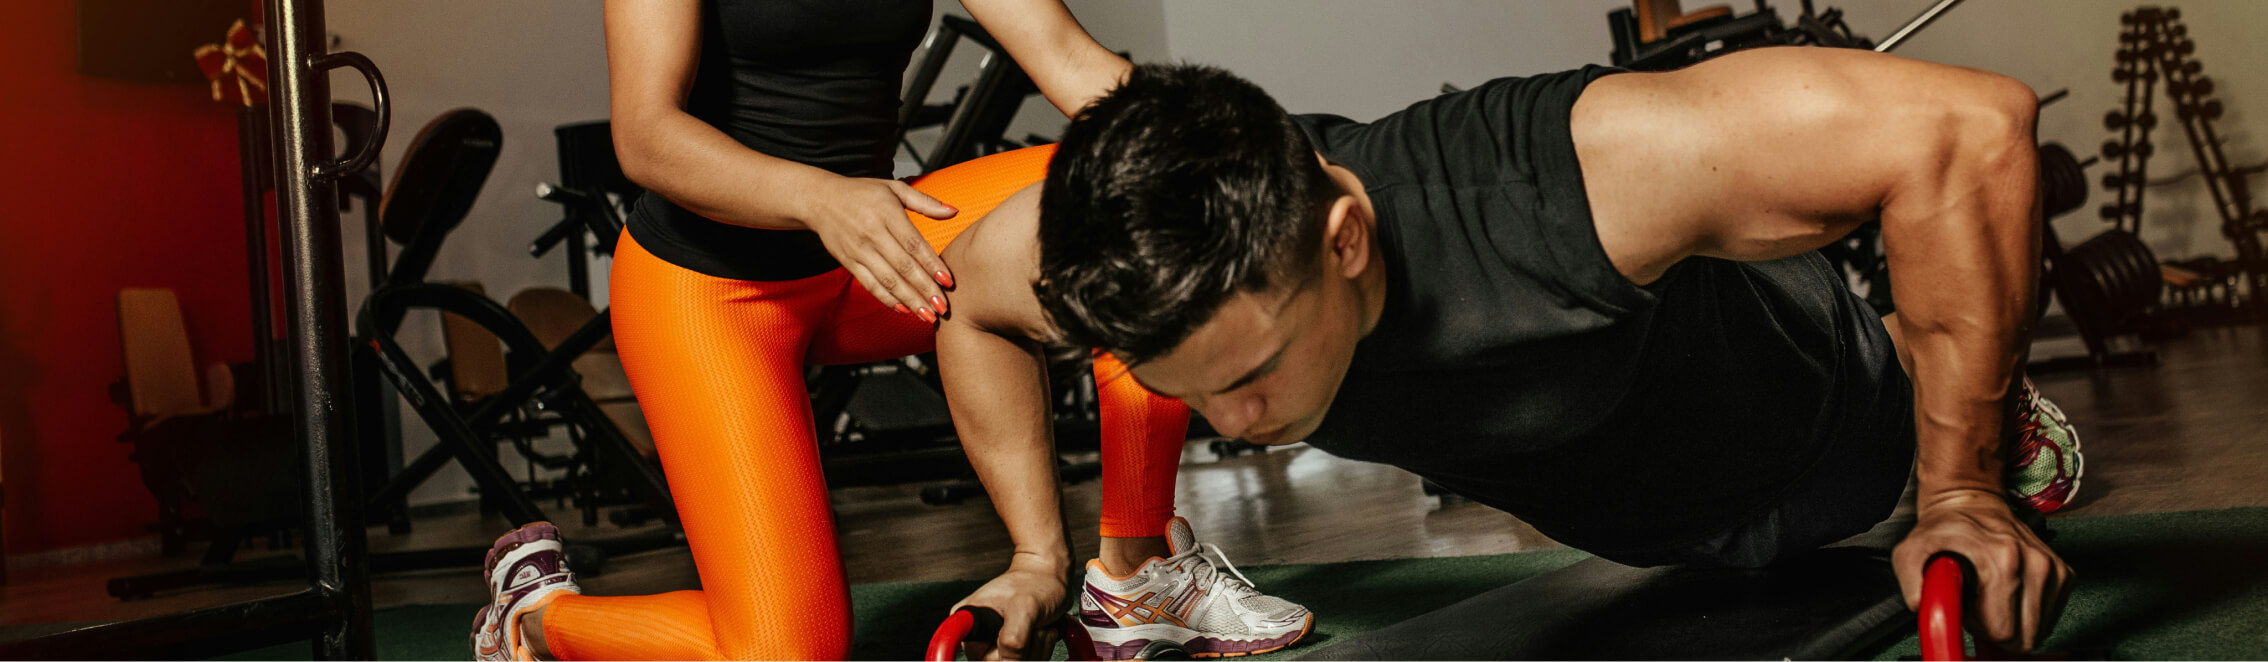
(1069, 67)
(653, 49)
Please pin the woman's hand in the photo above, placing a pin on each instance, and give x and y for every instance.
(864, 225)
(1030, 601)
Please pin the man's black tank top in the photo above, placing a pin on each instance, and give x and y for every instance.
(811, 81)
(1516, 366)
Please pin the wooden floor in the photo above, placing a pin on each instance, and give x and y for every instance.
(2189, 434)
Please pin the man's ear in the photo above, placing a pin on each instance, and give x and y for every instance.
(1346, 236)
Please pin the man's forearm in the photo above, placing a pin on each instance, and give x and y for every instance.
(1963, 247)
(996, 388)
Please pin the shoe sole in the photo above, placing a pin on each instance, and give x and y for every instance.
(1304, 629)
(1153, 647)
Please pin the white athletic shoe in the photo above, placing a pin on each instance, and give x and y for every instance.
(1185, 604)
(523, 569)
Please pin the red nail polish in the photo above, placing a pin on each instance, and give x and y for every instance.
(927, 316)
(944, 278)
(903, 309)
(940, 303)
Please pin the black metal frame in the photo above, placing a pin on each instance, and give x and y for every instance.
(334, 609)
(543, 377)
(588, 174)
(976, 121)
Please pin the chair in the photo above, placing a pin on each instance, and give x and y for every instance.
(190, 443)
(433, 188)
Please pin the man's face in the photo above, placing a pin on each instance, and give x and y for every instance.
(1267, 365)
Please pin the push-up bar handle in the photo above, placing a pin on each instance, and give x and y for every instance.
(982, 624)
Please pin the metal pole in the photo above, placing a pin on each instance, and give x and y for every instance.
(1927, 16)
(307, 204)
(252, 150)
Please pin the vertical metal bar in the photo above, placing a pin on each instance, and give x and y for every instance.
(2149, 72)
(308, 207)
(936, 49)
(2129, 180)
(579, 259)
(251, 148)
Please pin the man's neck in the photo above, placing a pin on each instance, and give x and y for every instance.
(1370, 287)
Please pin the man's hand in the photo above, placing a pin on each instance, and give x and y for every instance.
(1030, 601)
(2021, 584)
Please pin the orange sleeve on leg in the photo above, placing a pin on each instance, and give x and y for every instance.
(1142, 435)
(669, 626)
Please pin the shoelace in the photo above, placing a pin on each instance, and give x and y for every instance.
(1214, 558)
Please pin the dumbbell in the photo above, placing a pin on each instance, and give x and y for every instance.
(2199, 86)
(2112, 181)
(2210, 110)
(2115, 120)
(2113, 149)
(2115, 211)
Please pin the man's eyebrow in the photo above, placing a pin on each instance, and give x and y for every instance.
(1258, 371)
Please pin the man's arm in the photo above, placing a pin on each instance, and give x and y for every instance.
(1776, 152)
(997, 389)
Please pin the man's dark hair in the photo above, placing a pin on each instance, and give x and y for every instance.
(1179, 189)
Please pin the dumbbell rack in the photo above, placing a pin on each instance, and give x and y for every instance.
(2153, 44)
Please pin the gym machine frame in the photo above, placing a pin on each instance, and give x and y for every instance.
(334, 609)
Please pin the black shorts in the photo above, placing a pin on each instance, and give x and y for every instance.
(1855, 485)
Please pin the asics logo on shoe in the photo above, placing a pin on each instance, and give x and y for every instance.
(1137, 611)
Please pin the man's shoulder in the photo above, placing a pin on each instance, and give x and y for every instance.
(994, 263)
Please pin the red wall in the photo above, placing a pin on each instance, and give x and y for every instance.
(103, 185)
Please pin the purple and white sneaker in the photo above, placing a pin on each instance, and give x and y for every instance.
(524, 570)
(1185, 604)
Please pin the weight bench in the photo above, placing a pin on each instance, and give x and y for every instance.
(1836, 603)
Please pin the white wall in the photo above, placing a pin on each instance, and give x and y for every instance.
(536, 64)
(1366, 58)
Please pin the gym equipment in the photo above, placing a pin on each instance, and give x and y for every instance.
(2109, 284)
(978, 116)
(334, 608)
(2153, 44)
(1945, 583)
(1657, 35)
(541, 384)
(194, 448)
(438, 181)
(590, 183)
(981, 624)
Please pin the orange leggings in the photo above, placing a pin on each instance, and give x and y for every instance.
(718, 367)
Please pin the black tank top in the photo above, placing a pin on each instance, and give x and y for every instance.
(811, 81)
(1515, 365)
